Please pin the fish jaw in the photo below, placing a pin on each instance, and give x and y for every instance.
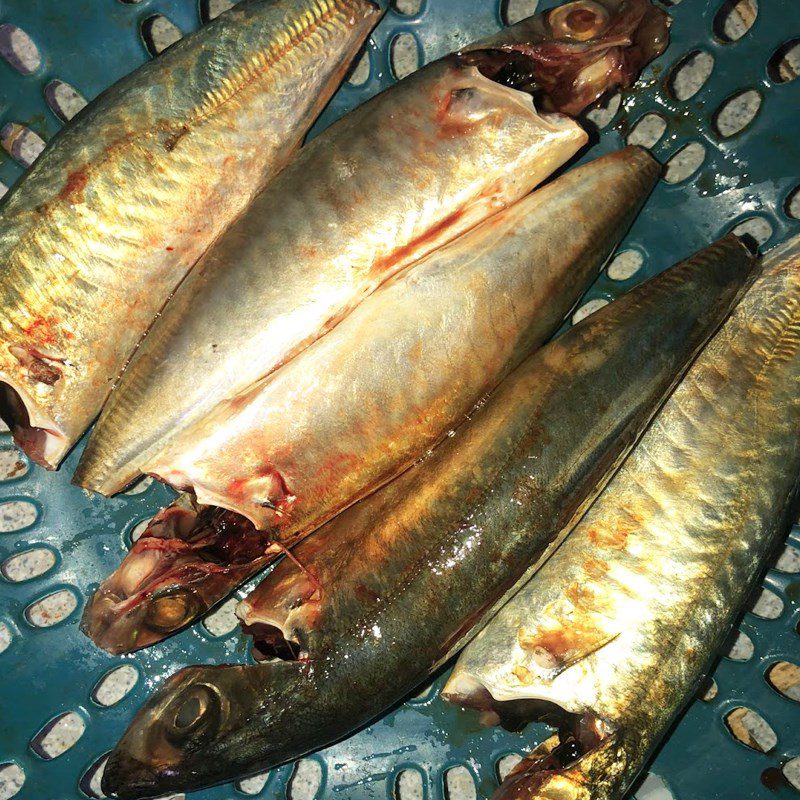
(573, 54)
(186, 560)
(197, 706)
(106, 223)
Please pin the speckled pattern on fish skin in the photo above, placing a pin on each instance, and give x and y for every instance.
(620, 625)
(129, 194)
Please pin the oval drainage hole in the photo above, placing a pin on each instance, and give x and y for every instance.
(58, 735)
(305, 781)
(604, 110)
(158, 33)
(140, 486)
(16, 515)
(684, 163)
(648, 130)
(211, 9)
(690, 74)
(589, 308)
(254, 784)
(736, 113)
(408, 785)
(12, 777)
(12, 464)
(90, 783)
(625, 265)
(756, 228)
(505, 764)
(789, 560)
(734, 19)
(64, 100)
(115, 685)
(406, 7)
(792, 204)
(28, 564)
(459, 784)
(791, 771)
(784, 66)
(751, 729)
(223, 620)
(767, 605)
(359, 72)
(708, 691)
(19, 50)
(5, 637)
(404, 55)
(51, 609)
(742, 648)
(784, 677)
(654, 787)
(21, 143)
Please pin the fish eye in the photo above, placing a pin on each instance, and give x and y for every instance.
(171, 608)
(197, 714)
(579, 21)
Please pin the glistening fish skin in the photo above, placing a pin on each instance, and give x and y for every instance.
(363, 402)
(122, 203)
(404, 173)
(621, 624)
(403, 577)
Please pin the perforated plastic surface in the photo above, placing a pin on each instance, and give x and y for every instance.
(48, 671)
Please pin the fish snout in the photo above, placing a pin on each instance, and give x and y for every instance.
(126, 777)
(123, 624)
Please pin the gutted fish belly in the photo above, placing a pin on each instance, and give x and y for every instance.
(96, 236)
(406, 172)
(362, 403)
(396, 583)
(621, 624)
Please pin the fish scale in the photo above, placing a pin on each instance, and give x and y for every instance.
(623, 621)
(170, 168)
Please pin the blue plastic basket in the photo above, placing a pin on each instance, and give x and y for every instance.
(49, 671)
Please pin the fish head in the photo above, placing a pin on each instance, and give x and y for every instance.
(571, 55)
(198, 729)
(188, 558)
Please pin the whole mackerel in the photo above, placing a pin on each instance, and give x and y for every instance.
(395, 584)
(622, 623)
(404, 173)
(126, 198)
(358, 406)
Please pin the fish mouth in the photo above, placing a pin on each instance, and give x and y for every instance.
(39, 439)
(572, 55)
(188, 558)
(127, 778)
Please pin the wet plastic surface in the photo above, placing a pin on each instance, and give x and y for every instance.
(48, 671)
